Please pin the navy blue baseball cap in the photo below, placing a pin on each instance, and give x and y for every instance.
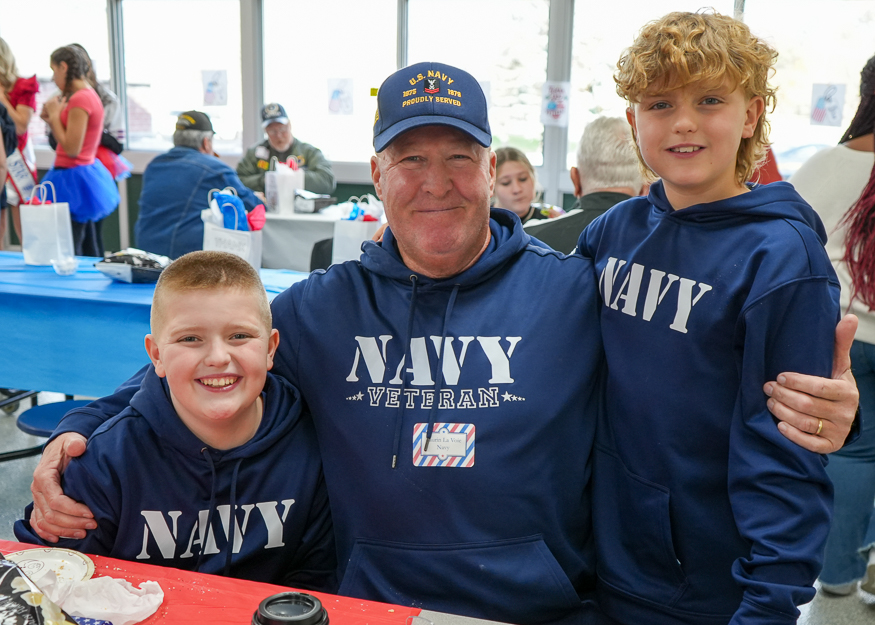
(273, 112)
(429, 94)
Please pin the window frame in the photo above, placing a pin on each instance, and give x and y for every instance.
(554, 174)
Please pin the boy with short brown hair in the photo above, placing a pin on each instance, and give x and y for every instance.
(703, 512)
(213, 467)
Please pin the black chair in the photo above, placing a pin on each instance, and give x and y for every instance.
(320, 257)
(561, 233)
(41, 421)
(10, 399)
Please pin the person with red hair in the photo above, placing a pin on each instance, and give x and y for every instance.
(839, 183)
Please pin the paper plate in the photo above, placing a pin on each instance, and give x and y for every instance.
(66, 563)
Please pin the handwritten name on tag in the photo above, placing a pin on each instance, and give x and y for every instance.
(451, 445)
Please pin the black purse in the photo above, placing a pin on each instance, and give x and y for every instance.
(111, 143)
(106, 140)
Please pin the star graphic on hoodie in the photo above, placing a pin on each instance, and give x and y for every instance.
(507, 396)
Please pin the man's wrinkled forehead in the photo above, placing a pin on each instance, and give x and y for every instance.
(429, 135)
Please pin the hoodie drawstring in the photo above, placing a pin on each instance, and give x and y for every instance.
(399, 419)
(439, 382)
(399, 416)
(232, 519)
(206, 533)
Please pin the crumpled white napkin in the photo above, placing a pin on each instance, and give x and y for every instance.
(104, 598)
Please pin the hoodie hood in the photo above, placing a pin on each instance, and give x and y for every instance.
(282, 410)
(778, 200)
(160, 496)
(508, 239)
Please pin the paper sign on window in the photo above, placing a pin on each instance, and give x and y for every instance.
(827, 103)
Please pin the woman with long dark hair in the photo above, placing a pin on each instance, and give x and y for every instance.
(840, 184)
(76, 121)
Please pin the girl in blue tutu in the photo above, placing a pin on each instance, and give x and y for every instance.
(76, 120)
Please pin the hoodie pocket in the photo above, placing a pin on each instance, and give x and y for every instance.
(515, 581)
(632, 525)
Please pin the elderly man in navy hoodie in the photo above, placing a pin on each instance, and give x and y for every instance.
(457, 462)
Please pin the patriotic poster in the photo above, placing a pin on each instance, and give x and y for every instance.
(554, 103)
(827, 103)
(215, 87)
(340, 92)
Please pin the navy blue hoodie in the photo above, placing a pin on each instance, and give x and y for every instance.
(505, 534)
(154, 487)
(704, 513)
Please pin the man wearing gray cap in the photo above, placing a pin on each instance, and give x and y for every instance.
(457, 463)
(280, 144)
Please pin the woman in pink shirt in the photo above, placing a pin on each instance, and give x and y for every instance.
(76, 120)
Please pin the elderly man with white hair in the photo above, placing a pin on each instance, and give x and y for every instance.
(607, 173)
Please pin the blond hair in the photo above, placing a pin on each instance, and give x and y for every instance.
(508, 154)
(208, 271)
(8, 68)
(682, 48)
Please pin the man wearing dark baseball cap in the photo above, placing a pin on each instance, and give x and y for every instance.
(281, 145)
(483, 505)
(456, 464)
(194, 120)
(430, 94)
(175, 189)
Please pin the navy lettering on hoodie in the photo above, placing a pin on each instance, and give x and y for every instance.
(703, 512)
(161, 496)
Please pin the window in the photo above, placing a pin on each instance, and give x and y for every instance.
(321, 60)
(818, 42)
(182, 55)
(503, 44)
(34, 37)
(601, 32)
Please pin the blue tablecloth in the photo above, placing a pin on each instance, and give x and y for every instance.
(80, 334)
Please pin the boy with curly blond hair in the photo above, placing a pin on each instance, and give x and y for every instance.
(703, 512)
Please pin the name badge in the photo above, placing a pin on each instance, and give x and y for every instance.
(261, 152)
(451, 445)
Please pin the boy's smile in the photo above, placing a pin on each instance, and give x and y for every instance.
(214, 349)
(690, 136)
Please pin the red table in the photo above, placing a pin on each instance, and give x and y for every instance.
(199, 598)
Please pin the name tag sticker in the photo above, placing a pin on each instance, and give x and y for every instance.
(451, 445)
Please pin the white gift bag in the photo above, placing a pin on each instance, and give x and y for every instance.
(270, 192)
(280, 185)
(45, 229)
(348, 239)
(243, 243)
